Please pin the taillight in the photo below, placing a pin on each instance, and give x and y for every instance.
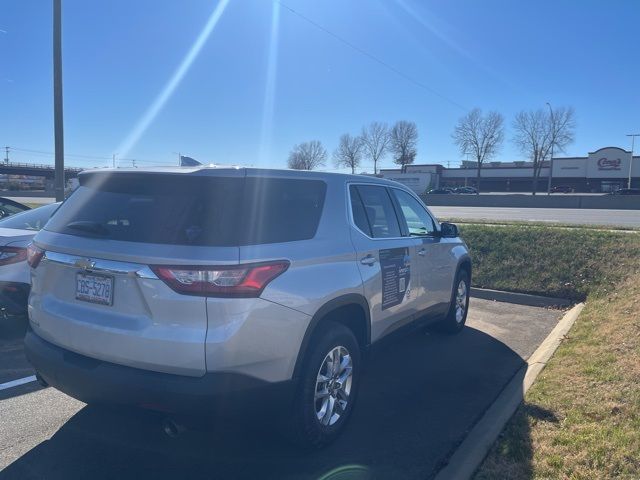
(12, 255)
(247, 280)
(34, 255)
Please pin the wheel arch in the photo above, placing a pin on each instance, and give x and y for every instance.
(464, 264)
(351, 310)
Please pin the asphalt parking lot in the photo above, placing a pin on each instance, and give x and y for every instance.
(420, 396)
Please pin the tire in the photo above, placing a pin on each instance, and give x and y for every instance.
(308, 426)
(457, 315)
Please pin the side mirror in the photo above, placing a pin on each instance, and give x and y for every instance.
(448, 230)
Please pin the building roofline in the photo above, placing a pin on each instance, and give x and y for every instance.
(424, 165)
(604, 148)
(488, 169)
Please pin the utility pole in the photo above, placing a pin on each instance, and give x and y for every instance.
(633, 138)
(6, 157)
(553, 141)
(58, 130)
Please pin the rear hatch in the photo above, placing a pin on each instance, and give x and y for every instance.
(94, 292)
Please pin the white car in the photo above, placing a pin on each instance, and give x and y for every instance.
(16, 232)
(213, 289)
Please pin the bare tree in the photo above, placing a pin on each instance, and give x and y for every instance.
(375, 141)
(479, 136)
(403, 142)
(540, 131)
(349, 152)
(307, 156)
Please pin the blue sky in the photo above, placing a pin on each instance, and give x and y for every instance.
(266, 79)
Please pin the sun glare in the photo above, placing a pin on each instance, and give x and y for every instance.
(173, 83)
(266, 131)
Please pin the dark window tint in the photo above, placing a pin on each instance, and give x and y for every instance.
(185, 210)
(281, 210)
(358, 211)
(379, 211)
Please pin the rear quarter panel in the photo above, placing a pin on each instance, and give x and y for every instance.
(322, 268)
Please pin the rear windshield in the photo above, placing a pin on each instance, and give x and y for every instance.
(202, 211)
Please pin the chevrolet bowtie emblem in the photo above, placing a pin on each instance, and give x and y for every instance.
(84, 263)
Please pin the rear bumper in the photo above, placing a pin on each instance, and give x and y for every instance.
(14, 296)
(95, 381)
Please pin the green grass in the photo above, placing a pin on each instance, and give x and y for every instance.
(581, 419)
(590, 396)
(561, 262)
(533, 223)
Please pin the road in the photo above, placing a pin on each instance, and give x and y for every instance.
(578, 216)
(420, 395)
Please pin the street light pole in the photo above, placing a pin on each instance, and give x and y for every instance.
(633, 138)
(58, 130)
(553, 141)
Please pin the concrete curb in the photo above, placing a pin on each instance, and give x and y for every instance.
(474, 448)
(519, 298)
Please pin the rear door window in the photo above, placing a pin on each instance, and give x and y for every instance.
(358, 212)
(379, 211)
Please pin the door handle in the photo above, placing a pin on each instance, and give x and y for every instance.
(422, 252)
(368, 260)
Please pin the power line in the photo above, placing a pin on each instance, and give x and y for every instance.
(374, 58)
(41, 152)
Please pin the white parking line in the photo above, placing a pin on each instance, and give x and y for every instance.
(15, 383)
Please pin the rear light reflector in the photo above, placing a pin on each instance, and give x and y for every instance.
(33, 255)
(248, 280)
(12, 255)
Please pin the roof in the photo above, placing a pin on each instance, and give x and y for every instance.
(233, 171)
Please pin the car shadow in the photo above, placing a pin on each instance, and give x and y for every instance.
(419, 398)
(14, 364)
(514, 459)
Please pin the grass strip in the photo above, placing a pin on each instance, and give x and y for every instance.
(581, 419)
(558, 262)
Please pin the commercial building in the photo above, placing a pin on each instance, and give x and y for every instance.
(604, 170)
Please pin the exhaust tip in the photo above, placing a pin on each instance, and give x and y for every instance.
(172, 428)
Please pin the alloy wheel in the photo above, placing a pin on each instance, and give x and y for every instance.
(333, 386)
(461, 300)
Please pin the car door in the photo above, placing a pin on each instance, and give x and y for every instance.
(435, 260)
(386, 259)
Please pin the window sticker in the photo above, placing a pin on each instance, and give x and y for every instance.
(395, 268)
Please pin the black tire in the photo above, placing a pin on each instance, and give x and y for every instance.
(305, 429)
(452, 323)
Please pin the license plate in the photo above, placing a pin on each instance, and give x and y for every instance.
(94, 288)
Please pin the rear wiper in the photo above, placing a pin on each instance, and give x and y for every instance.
(89, 227)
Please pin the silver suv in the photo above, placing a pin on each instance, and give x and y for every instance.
(181, 290)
